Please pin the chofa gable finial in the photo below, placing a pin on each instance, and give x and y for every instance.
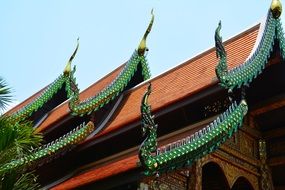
(67, 68)
(142, 46)
(276, 8)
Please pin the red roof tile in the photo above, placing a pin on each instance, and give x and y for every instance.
(178, 83)
(184, 80)
(174, 85)
(99, 173)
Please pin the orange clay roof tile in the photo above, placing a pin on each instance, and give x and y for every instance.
(99, 173)
(183, 81)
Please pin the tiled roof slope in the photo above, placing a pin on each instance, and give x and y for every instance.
(178, 83)
(63, 110)
(100, 173)
(184, 80)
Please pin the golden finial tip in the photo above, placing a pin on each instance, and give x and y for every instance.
(142, 46)
(67, 68)
(276, 8)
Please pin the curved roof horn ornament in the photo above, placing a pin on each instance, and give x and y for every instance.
(276, 8)
(142, 46)
(67, 68)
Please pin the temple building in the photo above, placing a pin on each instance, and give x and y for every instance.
(214, 122)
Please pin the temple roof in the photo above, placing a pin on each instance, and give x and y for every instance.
(179, 83)
(184, 80)
(239, 56)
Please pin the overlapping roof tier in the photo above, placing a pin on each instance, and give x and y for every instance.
(186, 151)
(245, 51)
(134, 71)
(248, 49)
(179, 83)
(171, 86)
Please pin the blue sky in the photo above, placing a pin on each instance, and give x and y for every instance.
(38, 37)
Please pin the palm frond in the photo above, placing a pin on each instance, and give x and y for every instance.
(16, 140)
(20, 134)
(15, 181)
(7, 134)
(5, 94)
(8, 180)
(27, 138)
(27, 181)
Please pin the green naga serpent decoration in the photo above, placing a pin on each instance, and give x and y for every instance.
(255, 64)
(222, 67)
(118, 85)
(188, 150)
(149, 146)
(66, 78)
(51, 150)
(99, 100)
